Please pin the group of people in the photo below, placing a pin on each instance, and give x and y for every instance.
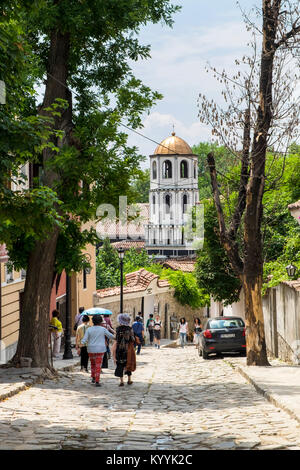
(93, 342)
(184, 331)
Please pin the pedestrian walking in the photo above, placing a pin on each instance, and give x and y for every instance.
(78, 318)
(94, 339)
(123, 349)
(57, 334)
(82, 350)
(157, 331)
(108, 325)
(183, 331)
(150, 328)
(138, 329)
(197, 331)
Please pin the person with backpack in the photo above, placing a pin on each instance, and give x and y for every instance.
(150, 328)
(138, 329)
(157, 331)
(78, 318)
(82, 350)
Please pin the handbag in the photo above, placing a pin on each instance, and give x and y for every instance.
(137, 340)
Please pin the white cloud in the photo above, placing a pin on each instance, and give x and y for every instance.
(158, 126)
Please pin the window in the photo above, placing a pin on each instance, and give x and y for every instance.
(195, 170)
(167, 169)
(226, 323)
(153, 203)
(168, 203)
(184, 203)
(9, 272)
(84, 279)
(184, 169)
(154, 170)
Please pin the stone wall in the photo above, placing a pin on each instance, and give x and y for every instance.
(281, 307)
(169, 306)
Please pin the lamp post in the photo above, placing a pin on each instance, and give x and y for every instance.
(121, 252)
(291, 270)
(68, 350)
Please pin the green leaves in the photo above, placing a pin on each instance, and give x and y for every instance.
(213, 271)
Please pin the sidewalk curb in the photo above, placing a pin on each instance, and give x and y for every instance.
(263, 392)
(38, 379)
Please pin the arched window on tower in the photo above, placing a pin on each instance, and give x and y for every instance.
(168, 203)
(184, 203)
(154, 170)
(195, 170)
(167, 169)
(184, 173)
(153, 204)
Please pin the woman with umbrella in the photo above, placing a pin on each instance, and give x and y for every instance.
(123, 351)
(94, 338)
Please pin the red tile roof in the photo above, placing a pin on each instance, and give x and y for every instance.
(293, 284)
(137, 281)
(127, 244)
(295, 205)
(186, 265)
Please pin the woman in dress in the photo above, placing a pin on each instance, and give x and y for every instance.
(197, 331)
(94, 339)
(183, 331)
(123, 349)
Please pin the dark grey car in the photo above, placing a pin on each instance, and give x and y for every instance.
(222, 334)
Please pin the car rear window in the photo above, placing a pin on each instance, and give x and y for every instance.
(234, 323)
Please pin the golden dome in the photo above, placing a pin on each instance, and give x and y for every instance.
(173, 145)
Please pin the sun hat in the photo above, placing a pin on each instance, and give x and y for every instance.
(124, 319)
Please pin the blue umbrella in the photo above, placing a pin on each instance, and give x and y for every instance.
(96, 311)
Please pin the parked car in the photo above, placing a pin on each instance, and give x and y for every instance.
(222, 334)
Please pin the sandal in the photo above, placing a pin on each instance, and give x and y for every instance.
(129, 382)
(121, 384)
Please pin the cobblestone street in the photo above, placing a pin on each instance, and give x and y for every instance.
(177, 401)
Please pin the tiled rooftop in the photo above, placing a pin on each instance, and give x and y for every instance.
(127, 244)
(135, 282)
(294, 284)
(295, 205)
(186, 265)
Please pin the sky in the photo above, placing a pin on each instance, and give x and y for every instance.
(204, 31)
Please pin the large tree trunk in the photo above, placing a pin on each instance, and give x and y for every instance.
(34, 321)
(255, 332)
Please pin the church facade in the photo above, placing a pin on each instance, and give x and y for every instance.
(173, 192)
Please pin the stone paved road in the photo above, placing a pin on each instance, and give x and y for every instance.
(177, 401)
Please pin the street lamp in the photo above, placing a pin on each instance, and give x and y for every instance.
(121, 252)
(68, 349)
(291, 270)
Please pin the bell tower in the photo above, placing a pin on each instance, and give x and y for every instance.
(173, 191)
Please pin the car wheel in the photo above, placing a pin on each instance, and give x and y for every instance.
(204, 355)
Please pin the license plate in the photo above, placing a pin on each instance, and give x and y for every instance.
(228, 336)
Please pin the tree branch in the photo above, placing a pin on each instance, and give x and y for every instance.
(292, 33)
(229, 244)
(241, 204)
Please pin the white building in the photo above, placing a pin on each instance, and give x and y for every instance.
(173, 191)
